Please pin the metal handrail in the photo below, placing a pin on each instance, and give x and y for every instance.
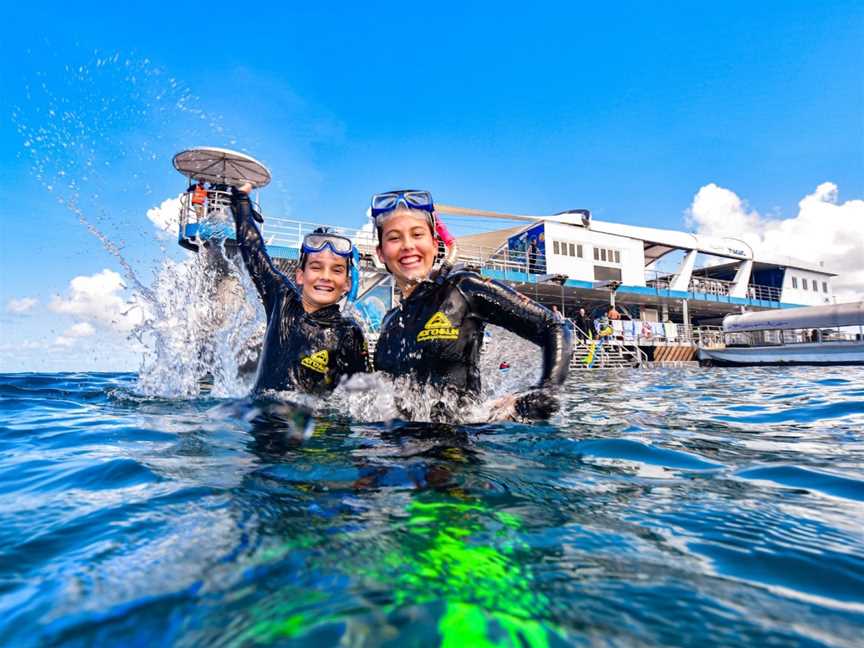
(289, 233)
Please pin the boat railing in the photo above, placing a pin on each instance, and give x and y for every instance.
(709, 286)
(720, 289)
(786, 337)
(215, 206)
(512, 264)
(763, 293)
(289, 233)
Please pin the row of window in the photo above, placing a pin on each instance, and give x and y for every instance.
(814, 283)
(567, 249)
(606, 254)
(575, 250)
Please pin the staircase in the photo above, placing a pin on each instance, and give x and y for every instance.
(611, 355)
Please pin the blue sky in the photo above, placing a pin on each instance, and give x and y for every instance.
(627, 110)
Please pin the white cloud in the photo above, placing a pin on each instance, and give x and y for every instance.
(21, 306)
(26, 345)
(166, 217)
(824, 230)
(73, 333)
(97, 299)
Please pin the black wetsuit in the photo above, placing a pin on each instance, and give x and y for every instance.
(304, 351)
(437, 332)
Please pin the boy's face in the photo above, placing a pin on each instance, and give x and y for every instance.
(324, 279)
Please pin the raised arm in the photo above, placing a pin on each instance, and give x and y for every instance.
(497, 304)
(265, 275)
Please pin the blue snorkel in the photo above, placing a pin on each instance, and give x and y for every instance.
(355, 275)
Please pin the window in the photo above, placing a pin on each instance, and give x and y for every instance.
(794, 282)
(825, 286)
(604, 273)
(605, 254)
(567, 249)
(803, 283)
(815, 286)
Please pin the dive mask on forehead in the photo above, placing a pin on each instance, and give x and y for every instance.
(317, 241)
(384, 203)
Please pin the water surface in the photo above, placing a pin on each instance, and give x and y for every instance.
(674, 507)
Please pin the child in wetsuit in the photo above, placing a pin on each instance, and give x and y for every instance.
(436, 333)
(308, 345)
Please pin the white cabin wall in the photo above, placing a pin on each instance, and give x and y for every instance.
(795, 293)
(632, 253)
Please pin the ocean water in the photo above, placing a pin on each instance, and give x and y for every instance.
(677, 507)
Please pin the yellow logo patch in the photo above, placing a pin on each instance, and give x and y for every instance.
(317, 361)
(438, 328)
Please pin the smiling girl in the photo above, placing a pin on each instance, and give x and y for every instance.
(436, 333)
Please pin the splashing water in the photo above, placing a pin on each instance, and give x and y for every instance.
(100, 131)
(205, 320)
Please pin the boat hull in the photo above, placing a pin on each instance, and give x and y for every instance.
(827, 353)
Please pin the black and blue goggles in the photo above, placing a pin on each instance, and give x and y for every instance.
(317, 242)
(384, 203)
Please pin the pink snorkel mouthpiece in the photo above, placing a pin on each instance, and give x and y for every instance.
(443, 233)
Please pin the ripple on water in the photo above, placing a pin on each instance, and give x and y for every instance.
(662, 507)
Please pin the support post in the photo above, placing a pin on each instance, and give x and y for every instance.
(685, 315)
(681, 280)
(742, 278)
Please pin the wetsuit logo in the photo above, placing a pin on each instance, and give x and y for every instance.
(317, 361)
(438, 328)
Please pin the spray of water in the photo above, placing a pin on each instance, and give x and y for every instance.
(95, 135)
(203, 327)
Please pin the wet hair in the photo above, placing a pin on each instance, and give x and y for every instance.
(304, 257)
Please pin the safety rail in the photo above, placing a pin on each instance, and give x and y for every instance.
(216, 205)
(709, 286)
(643, 333)
(764, 293)
(787, 337)
(289, 233)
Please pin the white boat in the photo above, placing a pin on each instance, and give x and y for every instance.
(813, 335)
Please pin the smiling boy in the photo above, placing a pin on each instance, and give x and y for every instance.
(308, 345)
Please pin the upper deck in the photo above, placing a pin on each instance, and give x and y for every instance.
(570, 265)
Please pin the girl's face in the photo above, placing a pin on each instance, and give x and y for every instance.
(407, 246)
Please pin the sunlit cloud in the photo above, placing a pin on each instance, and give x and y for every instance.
(825, 231)
(98, 299)
(21, 306)
(75, 333)
(166, 217)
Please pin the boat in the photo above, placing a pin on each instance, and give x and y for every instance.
(813, 335)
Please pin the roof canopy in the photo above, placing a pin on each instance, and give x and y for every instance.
(220, 165)
(808, 317)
